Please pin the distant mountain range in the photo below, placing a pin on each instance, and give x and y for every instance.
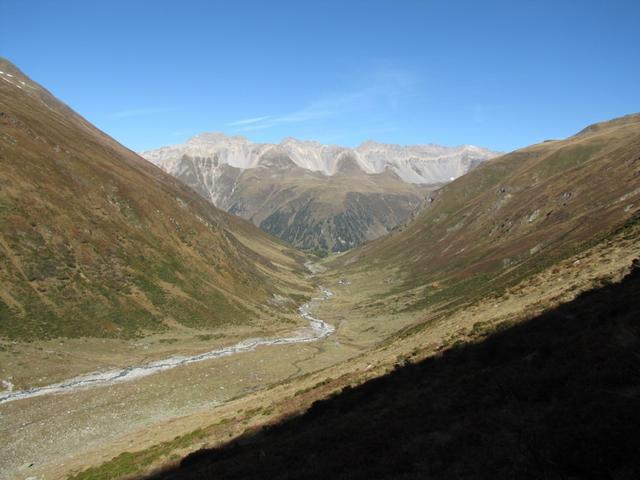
(425, 164)
(317, 197)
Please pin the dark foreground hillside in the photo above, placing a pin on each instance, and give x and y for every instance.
(556, 397)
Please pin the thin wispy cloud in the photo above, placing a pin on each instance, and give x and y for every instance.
(248, 121)
(383, 89)
(139, 112)
(363, 132)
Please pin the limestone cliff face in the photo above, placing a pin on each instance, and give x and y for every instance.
(317, 197)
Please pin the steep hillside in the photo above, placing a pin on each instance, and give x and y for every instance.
(97, 242)
(506, 219)
(555, 397)
(316, 197)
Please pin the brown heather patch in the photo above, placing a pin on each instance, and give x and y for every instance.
(85, 222)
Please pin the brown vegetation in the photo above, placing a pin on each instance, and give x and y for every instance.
(97, 242)
(555, 397)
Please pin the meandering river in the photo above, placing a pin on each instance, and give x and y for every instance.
(316, 330)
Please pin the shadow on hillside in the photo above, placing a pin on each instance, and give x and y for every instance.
(556, 397)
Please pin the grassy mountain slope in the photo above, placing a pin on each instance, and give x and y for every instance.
(97, 242)
(325, 214)
(507, 219)
(555, 397)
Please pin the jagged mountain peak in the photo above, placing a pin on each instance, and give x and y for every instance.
(297, 141)
(216, 138)
(274, 156)
(423, 164)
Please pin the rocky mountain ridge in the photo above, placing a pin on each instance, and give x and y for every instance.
(423, 164)
(316, 197)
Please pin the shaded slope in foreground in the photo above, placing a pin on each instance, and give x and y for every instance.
(555, 397)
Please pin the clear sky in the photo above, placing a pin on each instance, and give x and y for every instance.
(500, 74)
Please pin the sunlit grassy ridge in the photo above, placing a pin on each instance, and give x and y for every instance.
(510, 217)
(95, 241)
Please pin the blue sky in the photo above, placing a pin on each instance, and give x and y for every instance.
(501, 74)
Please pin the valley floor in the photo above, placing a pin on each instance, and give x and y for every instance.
(159, 418)
(47, 436)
